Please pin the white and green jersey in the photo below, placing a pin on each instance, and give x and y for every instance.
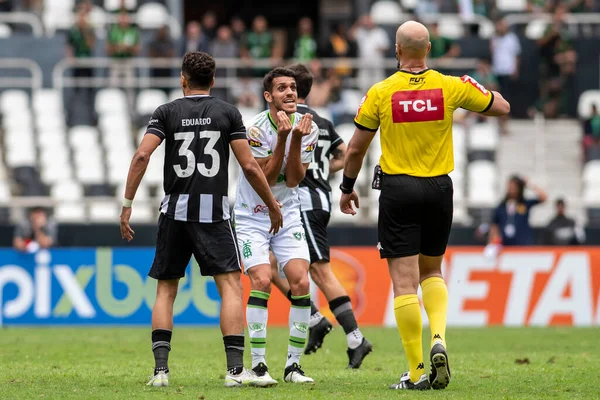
(262, 137)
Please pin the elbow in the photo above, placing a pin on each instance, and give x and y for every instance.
(141, 158)
(292, 183)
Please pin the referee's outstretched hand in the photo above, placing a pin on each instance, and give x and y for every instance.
(126, 231)
(346, 203)
(276, 219)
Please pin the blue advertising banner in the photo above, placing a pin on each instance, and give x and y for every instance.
(95, 286)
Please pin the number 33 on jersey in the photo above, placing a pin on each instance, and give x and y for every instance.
(197, 131)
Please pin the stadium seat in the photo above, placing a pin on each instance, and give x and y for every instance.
(66, 190)
(83, 136)
(323, 112)
(90, 173)
(5, 194)
(21, 157)
(144, 213)
(481, 196)
(70, 212)
(55, 173)
(482, 171)
(591, 197)
(51, 138)
(587, 98)
(409, 4)
(511, 5)
(451, 27)
(149, 100)
(482, 184)
(47, 101)
(11, 100)
(18, 121)
(110, 100)
(103, 211)
(386, 12)
(175, 94)
(591, 173)
(152, 16)
(113, 5)
(98, 19)
(345, 131)
(5, 31)
(535, 29)
(486, 29)
(483, 137)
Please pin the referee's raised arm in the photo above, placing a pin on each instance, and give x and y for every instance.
(413, 111)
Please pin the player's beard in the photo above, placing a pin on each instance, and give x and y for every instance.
(289, 108)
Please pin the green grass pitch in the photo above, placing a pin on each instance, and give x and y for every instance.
(102, 363)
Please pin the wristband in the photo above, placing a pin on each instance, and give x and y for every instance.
(347, 185)
(127, 203)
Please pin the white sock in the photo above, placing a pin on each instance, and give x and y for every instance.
(256, 316)
(315, 319)
(354, 338)
(298, 322)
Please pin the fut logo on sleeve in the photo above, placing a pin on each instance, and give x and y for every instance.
(362, 101)
(477, 85)
(418, 106)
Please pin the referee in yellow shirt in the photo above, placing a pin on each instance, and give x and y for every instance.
(413, 109)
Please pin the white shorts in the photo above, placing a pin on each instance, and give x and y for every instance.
(255, 241)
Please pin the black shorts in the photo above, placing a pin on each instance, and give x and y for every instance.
(315, 224)
(415, 215)
(214, 247)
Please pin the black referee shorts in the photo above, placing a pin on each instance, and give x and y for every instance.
(415, 215)
(214, 247)
(315, 224)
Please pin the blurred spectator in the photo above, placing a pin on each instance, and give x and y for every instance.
(373, 43)
(510, 225)
(209, 25)
(38, 231)
(33, 6)
(248, 91)
(506, 56)
(258, 44)
(427, 8)
(591, 130)
(558, 65)
(81, 42)
(580, 6)
(465, 10)
(441, 46)
(483, 7)
(562, 230)
(195, 40)
(484, 75)
(540, 6)
(305, 47)
(224, 46)
(6, 5)
(123, 44)
(161, 46)
(321, 88)
(238, 28)
(340, 45)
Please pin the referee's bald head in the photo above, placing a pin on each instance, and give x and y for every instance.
(412, 40)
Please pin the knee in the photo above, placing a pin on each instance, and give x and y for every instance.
(300, 286)
(167, 290)
(261, 282)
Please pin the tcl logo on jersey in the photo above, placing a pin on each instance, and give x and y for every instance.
(478, 86)
(418, 106)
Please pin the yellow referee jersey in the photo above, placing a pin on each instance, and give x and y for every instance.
(415, 112)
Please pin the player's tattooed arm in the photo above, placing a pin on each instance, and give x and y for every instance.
(336, 162)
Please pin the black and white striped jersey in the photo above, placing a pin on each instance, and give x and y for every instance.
(315, 191)
(197, 131)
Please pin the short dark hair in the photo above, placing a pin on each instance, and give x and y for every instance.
(304, 79)
(199, 69)
(560, 202)
(276, 73)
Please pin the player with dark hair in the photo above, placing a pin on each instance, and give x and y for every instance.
(282, 141)
(315, 207)
(413, 109)
(198, 130)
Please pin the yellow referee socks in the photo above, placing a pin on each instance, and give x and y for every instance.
(435, 300)
(410, 326)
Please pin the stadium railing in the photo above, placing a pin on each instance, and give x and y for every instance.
(33, 82)
(25, 18)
